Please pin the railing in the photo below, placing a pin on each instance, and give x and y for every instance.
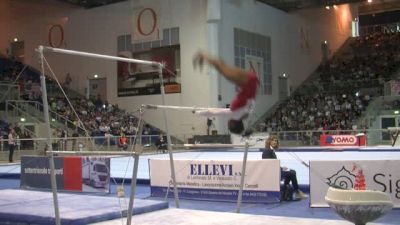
(375, 137)
(383, 28)
(34, 109)
(9, 91)
(13, 109)
(100, 143)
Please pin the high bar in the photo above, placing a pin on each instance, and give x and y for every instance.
(72, 52)
(150, 106)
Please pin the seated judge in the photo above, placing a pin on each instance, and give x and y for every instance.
(161, 143)
(288, 175)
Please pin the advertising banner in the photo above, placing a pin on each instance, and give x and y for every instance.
(139, 79)
(87, 174)
(342, 140)
(146, 24)
(256, 140)
(217, 179)
(379, 175)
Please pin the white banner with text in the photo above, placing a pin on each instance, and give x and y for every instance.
(217, 179)
(379, 175)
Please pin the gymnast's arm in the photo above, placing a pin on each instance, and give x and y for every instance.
(233, 74)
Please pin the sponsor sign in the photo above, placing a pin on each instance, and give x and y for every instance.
(217, 179)
(87, 174)
(394, 87)
(35, 172)
(153, 90)
(342, 140)
(172, 88)
(379, 175)
(140, 79)
(256, 140)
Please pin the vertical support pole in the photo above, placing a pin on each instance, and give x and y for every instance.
(214, 16)
(138, 142)
(240, 194)
(49, 146)
(171, 157)
(87, 88)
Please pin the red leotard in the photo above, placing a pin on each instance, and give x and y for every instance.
(246, 93)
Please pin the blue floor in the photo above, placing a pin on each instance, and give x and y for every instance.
(36, 207)
(286, 209)
(121, 170)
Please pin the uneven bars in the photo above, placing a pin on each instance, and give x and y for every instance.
(72, 52)
(150, 106)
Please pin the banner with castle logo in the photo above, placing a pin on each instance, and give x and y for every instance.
(378, 175)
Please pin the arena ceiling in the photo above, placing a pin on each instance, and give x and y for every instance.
(91, 3)
(363, 8)
(284, 5)
(291, 5)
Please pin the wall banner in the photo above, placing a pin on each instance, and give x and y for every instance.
(343, 140)
(256, 140)
(139, 79)
(217, 179)
(145, 24)
(379, 175)
(87, 174)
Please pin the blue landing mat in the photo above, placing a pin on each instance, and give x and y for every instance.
(25, 207)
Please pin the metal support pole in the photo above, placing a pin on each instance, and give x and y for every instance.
(138, 142)
(240, 194)
(171, 157)
(49, 146)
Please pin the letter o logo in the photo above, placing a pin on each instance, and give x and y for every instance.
(52, 30)
(139, 21)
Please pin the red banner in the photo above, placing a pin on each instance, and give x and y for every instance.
(73, 173)
(342, 140)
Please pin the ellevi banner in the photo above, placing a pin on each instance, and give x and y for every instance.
(217, 179)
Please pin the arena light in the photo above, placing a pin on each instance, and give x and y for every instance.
(22, 119)
(396, 112)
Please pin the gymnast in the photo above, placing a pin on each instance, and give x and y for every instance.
(243, 103)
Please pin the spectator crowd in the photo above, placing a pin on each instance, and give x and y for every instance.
(336, 98)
